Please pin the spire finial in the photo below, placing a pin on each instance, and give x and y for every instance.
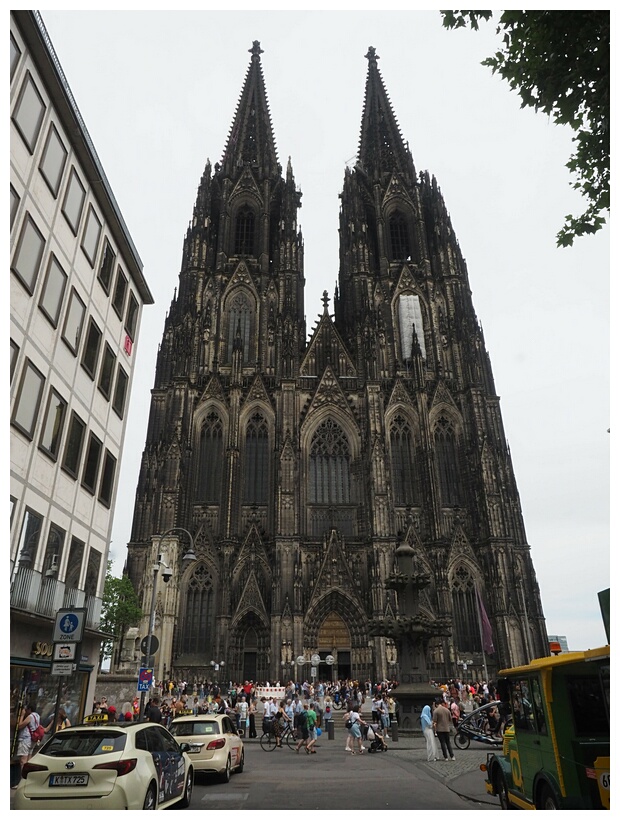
(372, 55)
(256, 50)
(325, 301)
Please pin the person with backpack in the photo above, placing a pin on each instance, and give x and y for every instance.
(29, 733)
(302, 728)
(312, 719)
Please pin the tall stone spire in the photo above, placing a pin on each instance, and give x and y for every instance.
(381, 148)
(251, 141)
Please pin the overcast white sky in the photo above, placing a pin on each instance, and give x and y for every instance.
(158, 91)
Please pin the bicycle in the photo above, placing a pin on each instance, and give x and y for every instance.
(269, 742)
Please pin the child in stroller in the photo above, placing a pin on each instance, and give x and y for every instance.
(376, 738)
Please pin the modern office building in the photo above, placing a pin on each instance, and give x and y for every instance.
(77, 293)
(299, 464)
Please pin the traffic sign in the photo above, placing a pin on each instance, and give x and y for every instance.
(154, 644)
(69, 625)
(145, 680)
(62, 668)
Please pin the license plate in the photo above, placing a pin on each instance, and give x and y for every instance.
(69, 780)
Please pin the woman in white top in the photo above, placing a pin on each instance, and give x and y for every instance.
(356, 731)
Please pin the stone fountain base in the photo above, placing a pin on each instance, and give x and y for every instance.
(412, 698)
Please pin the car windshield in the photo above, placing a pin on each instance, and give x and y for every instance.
(84, 744)
(195, 727)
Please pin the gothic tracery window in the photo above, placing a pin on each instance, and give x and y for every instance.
(330, 459)
(244, 232)
(446, 460)
(399, 236)
(240, 321)
(211, 459)
(403, 475)
(199, 614)
(464, 612)
(256, 471)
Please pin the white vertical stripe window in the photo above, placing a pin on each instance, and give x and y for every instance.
(410, 316)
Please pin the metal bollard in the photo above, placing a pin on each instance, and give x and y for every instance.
(330, 729)
(394, 728)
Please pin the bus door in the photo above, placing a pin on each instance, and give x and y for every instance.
(534, 751)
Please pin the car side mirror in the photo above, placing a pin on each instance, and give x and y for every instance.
(185, 747)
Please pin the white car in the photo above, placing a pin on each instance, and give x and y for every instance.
(102, 765)
(215, 745)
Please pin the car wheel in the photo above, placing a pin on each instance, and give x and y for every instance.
(225, 775)
(150, 801)
(461, 741)
(501, 790)
(239, 768)
(189, 788)
(547, 799)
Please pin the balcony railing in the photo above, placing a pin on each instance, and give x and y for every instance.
(39, 594)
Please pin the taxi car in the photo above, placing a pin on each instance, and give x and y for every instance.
(104, 765)
(215, 745)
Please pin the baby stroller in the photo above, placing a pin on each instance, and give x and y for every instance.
(376, 738)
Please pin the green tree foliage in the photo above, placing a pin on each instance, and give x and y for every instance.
(558, 62)
(120, 609)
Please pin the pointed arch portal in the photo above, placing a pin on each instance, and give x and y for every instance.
(334, 638)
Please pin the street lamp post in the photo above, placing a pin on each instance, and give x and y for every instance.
(190, 555)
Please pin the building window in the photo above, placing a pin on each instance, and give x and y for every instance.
(410, 322)
(118, 301)
(107, 479)
(329, 465)
(107, 371)
(53, 161)
(120, 392)
(74, 564)
(240, 320)
(13, 204)
(74, 322)
(74, 201)
(446, 460)
(53, 291)
(132, 316)
(399, 237)
(256, 472)
(29, 112)
(211, 459)
(90, 238)
(14, 355)
(93, 568)
(199, 615)
(403, 475)
(244, 232)
(464, 612)
(15, 55)
(107, 267)
(53, 550)
(27, 259)
(28, 401)
(90, 353)
(91, 464)
(53, 424)
(29, 539)
(74, 444)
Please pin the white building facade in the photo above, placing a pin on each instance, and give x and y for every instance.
(77, 292)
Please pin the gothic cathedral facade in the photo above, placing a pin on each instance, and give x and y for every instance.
(299, 462)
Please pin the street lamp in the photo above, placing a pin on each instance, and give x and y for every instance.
(189, 556)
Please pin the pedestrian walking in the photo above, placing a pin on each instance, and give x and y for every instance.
(442, 723)
(426, 722)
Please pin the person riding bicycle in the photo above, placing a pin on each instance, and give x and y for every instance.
(280, 720)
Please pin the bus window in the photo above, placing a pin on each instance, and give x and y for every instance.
(522, 709)
(539, 709)
(588, 708)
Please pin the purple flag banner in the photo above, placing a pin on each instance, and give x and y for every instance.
(487, 636)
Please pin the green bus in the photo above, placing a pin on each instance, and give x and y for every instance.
(555, 755)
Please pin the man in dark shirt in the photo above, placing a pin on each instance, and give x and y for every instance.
(153, 712)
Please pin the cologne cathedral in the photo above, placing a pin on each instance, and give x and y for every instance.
(298, 461)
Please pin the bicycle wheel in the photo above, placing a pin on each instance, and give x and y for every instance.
(461, 740)
(268, 742)
(291, 740)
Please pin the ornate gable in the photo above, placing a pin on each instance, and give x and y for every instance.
(443, 396)
(251, 600)
(400, 395)
(326, 348)
(258, 392)
(214, 390)
(461, 548)
(334, 573)
(396, 189)
(252, 553)
(329, 392)
(246, 184)
(241, 276)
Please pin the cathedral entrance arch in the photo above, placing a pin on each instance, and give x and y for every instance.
(249, 648)
(250, 654)
(334, 638)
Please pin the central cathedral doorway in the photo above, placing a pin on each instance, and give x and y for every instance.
(334, 639)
